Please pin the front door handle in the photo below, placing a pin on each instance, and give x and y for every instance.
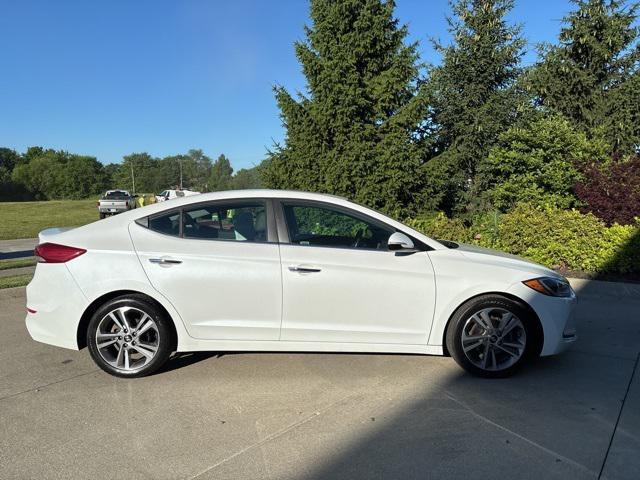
(165, 261)
(303, 269)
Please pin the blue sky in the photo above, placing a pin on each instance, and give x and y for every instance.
(111, 77)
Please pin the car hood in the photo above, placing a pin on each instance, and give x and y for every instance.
(496, 257)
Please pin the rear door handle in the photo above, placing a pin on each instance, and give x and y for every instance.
(303, 269)
(165, 261)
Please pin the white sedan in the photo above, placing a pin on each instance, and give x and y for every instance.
(266, 270)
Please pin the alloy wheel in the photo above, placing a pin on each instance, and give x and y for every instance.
(127, 338)
(493, 339)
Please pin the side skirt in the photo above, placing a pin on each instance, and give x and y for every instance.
(195, 345)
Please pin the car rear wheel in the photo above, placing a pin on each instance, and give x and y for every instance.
(130, 336)
(493, 336)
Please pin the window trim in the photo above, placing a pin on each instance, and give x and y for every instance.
(283, 228)
(272, 234)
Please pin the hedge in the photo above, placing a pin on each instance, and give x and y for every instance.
(560, 239)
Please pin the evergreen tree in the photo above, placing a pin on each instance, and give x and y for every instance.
(472, 96)
(354, 131)
(592, 75)
(221, 175)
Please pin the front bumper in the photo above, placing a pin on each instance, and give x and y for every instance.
(556, 315)
(58, 304)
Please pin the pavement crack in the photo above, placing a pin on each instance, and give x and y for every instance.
(521, 437)
(47, 385)
(615, 428)
(273, 436)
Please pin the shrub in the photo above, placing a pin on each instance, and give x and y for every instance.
(556, 238)
(536, 163)
(438, 225)
(612, 192)
(623, 242)
(561, 239)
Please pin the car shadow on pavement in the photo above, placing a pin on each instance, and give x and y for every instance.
(182, 360)
(553, 420)
(557, 418)
(14, 255)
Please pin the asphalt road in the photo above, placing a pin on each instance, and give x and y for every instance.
(325, 416)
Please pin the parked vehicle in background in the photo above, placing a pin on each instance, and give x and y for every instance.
(171, 194)
(115, 201)
(268, 270)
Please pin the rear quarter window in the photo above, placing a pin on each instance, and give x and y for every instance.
(169, 224)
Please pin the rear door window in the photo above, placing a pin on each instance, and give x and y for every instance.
(243, 222)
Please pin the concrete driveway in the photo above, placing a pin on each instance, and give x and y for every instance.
(324, 416)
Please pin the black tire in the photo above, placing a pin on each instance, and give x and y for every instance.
(161, 337)
(102, 215)
(492, 306)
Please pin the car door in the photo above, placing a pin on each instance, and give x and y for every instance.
(341, 283)
(218, 263)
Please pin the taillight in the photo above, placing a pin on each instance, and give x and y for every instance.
(54, 253)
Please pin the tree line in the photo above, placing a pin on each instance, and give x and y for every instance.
(478, 131)
(45, 174)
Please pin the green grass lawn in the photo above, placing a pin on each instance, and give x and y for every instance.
(18, 263)
(15, 281)
(26, 219)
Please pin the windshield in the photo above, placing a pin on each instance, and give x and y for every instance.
(448, 243)
(116, 195)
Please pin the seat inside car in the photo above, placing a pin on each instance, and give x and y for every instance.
(261, 226)
(243, 226)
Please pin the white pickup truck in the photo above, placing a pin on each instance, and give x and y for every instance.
(115, 201)
(171, 194)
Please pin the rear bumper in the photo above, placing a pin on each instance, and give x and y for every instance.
(113, 209)
(556, 316)
(58, 304)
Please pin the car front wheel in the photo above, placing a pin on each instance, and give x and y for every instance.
(130, 336)
(493, 336)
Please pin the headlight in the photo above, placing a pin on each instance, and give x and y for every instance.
(554, 287)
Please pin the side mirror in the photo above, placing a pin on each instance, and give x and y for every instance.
(399, 241)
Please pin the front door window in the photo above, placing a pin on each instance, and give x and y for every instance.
(323, 226)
